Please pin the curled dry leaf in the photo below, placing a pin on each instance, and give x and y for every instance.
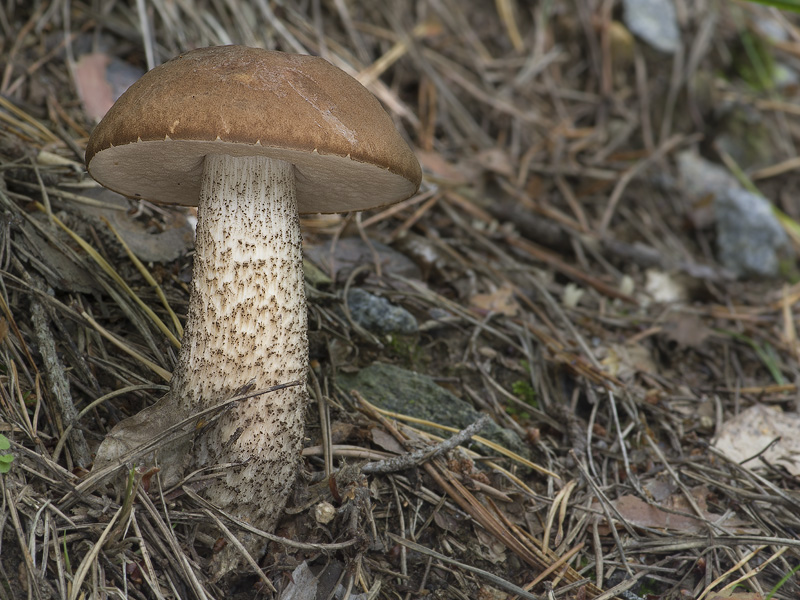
(624, 361)
(385, 441)
(639, 513)
(173, 237)
(686, 330)
(499, 301)
(731, 595)
(100, 79)
(346, 254)
(663, 287)
(496, 160)
(752, 432)
(437, 165)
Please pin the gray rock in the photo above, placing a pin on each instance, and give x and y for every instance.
(770, 28)
(378, 315)
(700, 177)
(417, 395)
(655, 22)
(750, 239)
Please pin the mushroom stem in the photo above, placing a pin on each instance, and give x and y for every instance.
(247, 323)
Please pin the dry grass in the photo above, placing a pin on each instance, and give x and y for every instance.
(547, 141)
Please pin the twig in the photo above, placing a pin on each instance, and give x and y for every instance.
(268, 536)
(498, 581)
(232, 539)
(56, 377)
(417, 457)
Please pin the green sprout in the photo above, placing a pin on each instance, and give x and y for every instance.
(792, 5)
(5, 458)
(780, 584)
(525, 392)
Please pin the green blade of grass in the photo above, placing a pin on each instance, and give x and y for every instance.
(792, 5)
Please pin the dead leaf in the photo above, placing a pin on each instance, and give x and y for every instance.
(753, 430)
(662, 287)
(688, 331)
(446, 521)
(385, 441)
(100, 79)
(660, 488)
(499, 301)
(639, 513)
(173, 238)
(341, 431)
(624, 361)
(487, 592)
(489, 547)
(351, 252)
(429, 256)
(731, 595)
(497, 161)
(302, 584)
(60, 270)
(437, 165)
(93, 89)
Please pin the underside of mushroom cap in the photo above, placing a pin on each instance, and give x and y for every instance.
(245, 101)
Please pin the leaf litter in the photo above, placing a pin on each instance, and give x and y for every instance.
(565, 283)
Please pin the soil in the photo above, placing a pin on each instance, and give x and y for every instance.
(564, 279)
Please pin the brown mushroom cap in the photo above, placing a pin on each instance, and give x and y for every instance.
(245, 101)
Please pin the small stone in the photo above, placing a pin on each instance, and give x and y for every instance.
(655, 22)
(378, 315)
(324, 512)
(750, 240)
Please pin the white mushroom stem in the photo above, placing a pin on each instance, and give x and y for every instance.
(247, 323)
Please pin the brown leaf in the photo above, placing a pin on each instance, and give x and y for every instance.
(499, 301)
(351, 252)
(341, 431)
(437, 165)
(497, 161)
(93, 89)
(385, 441)
(172, 239)
(100, 79)
(731, 595)
(686, 330)
(754, 430)
(639, 513)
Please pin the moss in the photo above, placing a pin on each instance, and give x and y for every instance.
(410, 393)
(407, 349)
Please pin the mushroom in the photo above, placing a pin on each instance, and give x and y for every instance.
(252, 138)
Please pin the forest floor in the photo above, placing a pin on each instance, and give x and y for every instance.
(578, 264)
